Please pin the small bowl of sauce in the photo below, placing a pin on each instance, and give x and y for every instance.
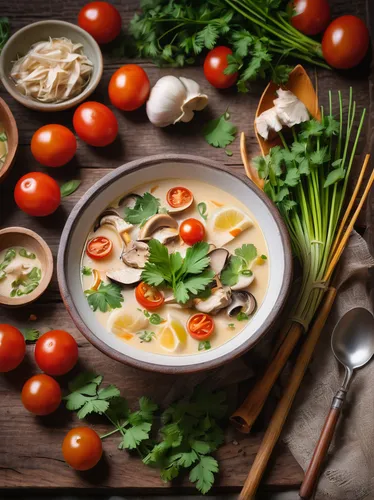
(26, 266)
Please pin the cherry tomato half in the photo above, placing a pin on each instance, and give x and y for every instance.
(56, 352)
(37, 194)
(310, 16)
(191, 231)
(99, 247)
(41, 394)
(200, 326)
(179, 197)
(214, 66)
(148, 296)
(12, 348)
(82, 448)
(95, 124)
(53, 145)
(102, 21)
(129, 87)
(345, 42)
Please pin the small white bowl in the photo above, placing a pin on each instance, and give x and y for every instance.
(19, 44)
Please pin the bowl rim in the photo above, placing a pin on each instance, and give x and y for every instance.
(51, 107)
(47, 275)
(10, 157)
(121, 172)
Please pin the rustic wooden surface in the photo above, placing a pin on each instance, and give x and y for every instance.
(30, 453)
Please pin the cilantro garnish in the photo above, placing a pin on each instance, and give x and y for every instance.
(239, 264)
(263, 257)
(204, 345)
(86, 271)
(8, 257)
(220, 132)
(154, 318)
(69, 187)
(105, 298)
(30, 334)
(186, 276)
(231, 326)
(202, 209)
(146, 336)
(242, 316)
(27, 283)
(145, 207)
(28, 255)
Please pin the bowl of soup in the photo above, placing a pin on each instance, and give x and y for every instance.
(174, 264)
(8, 139)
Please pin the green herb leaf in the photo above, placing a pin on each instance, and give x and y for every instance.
(220, 132)
(3, 137)
(203, 473)
(146, 336)
(28, 255)
(145, 207)
(204, 345)
(155, 319)
(334, 177)
(263, 257)
(247, 253)
(86, 271)
(231, 326)
(230, 275)
(10, 254)
(26, 283)
(30, 334)
(69, 188)
(202, 209)
(242, 316)
(105, 298)
(4, 31)
(134, 435)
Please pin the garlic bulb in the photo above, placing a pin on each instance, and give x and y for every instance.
(173, 100)
(290, 110)
(267, 121)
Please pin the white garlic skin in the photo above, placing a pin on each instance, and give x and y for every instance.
(174, 99)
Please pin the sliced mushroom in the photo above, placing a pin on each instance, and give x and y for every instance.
(220, 298)
(128, 200)
(135, 254)
(242, 302)
(218, 259)
(243, 282)
(166, 235)
(110, 216)
(177, 210)
(156, 222)
(125, 276)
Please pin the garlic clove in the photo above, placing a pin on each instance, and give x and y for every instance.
(268, 121)
(165, 102)
(194, 101)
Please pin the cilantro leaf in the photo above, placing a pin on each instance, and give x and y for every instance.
(86, 271)
(105, 298)
(69, 188)
(334, 177)
(204, 345)
(134, 435)
(220, 132)
(145, 207)
(230, 275)
(30, 334)
(202, 209)
(247, 252)
(146, 336)
(196, 259)
(203, 473)
(28, 255)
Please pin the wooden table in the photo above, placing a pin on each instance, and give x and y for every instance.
(30, 453)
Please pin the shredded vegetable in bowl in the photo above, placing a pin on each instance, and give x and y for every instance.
(52, 71)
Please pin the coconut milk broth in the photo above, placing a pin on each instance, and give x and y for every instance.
(202, 193)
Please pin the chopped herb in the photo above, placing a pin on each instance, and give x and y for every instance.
(86, 271)
(4, 31)
(242, 316)
(202, 209)
(27, 283)
(3, 137)
(239, 264)
(146, 336)
(162, 210)
(247, 253)
(204, 345)
(28, 255)
(263, 257)
(220, 132)
(8, 257)
(229, 152)
(246, 272)
(155, 319)
(69, 188)
(145, 207)
(231, 326)
(30, 334)
(105, 298)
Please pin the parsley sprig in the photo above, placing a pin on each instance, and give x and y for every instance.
(145, 207)
(220, 132)
(10, 254)
(105, 298)
(239, 264)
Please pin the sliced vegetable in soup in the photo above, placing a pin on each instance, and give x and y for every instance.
(177, 267)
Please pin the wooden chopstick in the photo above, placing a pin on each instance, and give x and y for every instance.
(251, 173)
(279, 417)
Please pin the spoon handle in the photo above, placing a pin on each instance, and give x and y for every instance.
(320, 452)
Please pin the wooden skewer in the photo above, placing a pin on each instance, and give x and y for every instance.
(279, 417)
(251, 173)
(350, 204)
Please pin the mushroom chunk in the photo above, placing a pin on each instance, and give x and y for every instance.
(155, 223)
(220, 298)
(218, 259)
(125, 276)
(166, 235)
(243, 282)
(128, 200)
(242, 302)
(135, 254)
(111, 217)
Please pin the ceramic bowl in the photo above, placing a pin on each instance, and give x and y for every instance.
(10, 127)
(23, 237)
(125, 179)
(20, 43)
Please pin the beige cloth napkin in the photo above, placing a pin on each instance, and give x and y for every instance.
(349, 469)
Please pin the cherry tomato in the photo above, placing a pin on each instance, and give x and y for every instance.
(99, 247)
(129, 87)
(148, 296)
(95, 124)
(214, 66)
(310, 16)
(345, 42)
(82, 448)
(102, 21)
(12, 348)
(179, 196)
(41, 394)
(56, 352)
(53, 145)
(200, 326)
(191, 231)
(37, 194)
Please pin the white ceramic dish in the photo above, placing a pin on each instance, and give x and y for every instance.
(125, 179)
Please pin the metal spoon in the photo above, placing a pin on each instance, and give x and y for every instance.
(352, 343)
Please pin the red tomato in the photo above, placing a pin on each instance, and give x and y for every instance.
(102, 21)
(200, 326)
(345, 42)
(95, 124)
(191, 231)
(12, 348)
(129, 87)
(41, 394)
(56, 352)
(179, 196)
(53, 145)
(214, 66)
(99, 247)
(148, 296)
(310, 16)
(37, 194)
(82, 448)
